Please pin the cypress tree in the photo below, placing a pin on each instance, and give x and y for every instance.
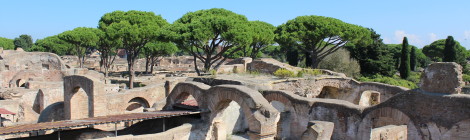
(450, 50)
(413, 59)
(405, 60)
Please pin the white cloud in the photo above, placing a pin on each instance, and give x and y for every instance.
(412, 38)
(432, 37)
(466, 34)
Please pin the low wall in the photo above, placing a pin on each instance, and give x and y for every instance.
(182, 132)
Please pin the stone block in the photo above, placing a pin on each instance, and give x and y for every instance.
(318, 130)
(442, 77)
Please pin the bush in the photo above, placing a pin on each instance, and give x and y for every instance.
(466, 78)
(415, 77)
(341, 61)
(389, 80)
(283, 73)
(309, 72)
(254, 72)
(213, 72)
(235, 70)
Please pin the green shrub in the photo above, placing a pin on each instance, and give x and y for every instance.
(415, 77)
(254, 72)
(309, 72)
(340, 61)
(313, 72)
(389, 80)
(213, 72)
(300, 73)
(283, 73)
(466, 78)
(235, 70)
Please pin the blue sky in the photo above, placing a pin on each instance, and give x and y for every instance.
(422, 21)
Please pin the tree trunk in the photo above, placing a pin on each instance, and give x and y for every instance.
(147, 59)
(308, 60)
(104, 60)
(106, 72)
(130, 62)
(315, 61)
(101, 63)
(81, 61)
(195, 65)
(79, 55)
(152, 63)
(131, 75)
(207, 63)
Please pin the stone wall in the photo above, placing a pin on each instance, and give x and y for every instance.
(262, 117)
(390, 132)
(269, 65)
(334, 87)
(182, 132)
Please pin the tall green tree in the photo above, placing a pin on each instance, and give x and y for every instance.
(374, 58)
(82, 38)
(262, 36)
(450, 50)
(405, 69)
(435, 51)
(210, 34)
(413, 59)
(292, 57)
(156, 49)
(135, 29)
(53, 44)
(319, 36)
(107, 46)
(24, 41)
(6, 43)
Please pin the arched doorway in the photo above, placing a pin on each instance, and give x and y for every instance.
(387, 123)
(20, 83)
(369, 98)
(186, 101)
(137, 104)
(328, 92)
(38, 104)
(80, 104)
(286, 120)
(230, 120)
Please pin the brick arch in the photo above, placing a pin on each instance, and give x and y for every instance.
(290, 123)
(278, 96)
(93, 89)
(213, 100)
(38, 104)
(182, 90)
(460, 130)
(368, 98)
(22, 76)
(334, 88)
(262, 117)
(386, 91)
(384, 116)
(139, 100)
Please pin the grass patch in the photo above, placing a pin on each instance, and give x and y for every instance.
(390, 80)
(283, 73)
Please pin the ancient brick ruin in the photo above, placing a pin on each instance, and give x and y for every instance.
(41, 87)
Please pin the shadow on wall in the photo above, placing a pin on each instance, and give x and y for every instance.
(53, 112)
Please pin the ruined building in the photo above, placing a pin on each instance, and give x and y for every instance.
(54, 101)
